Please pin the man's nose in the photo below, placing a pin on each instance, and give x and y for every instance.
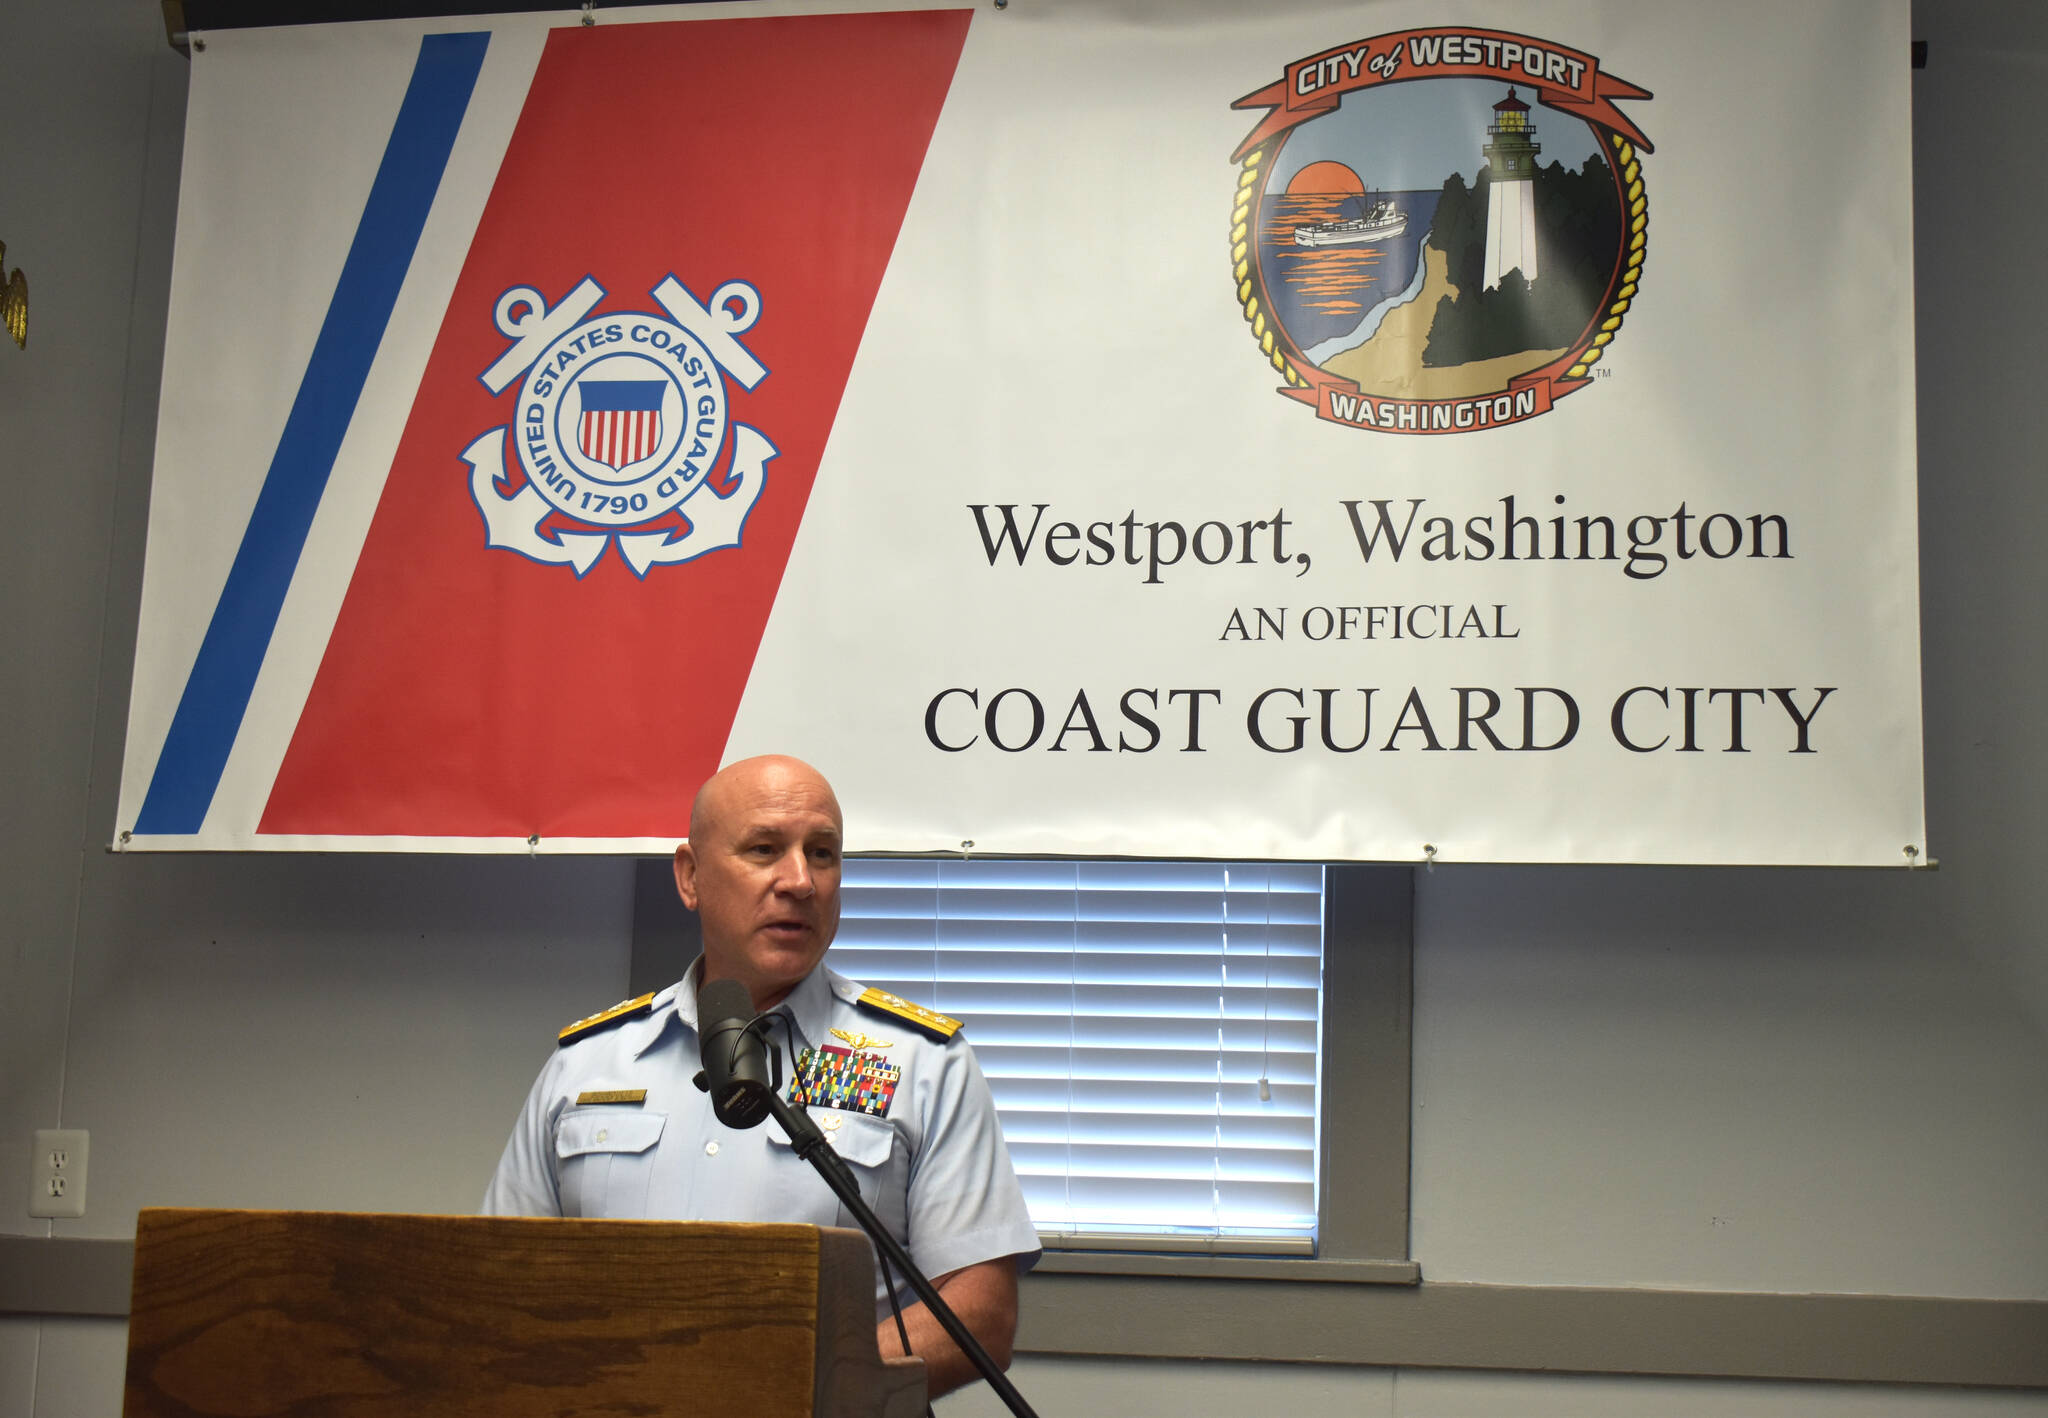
(794, 875)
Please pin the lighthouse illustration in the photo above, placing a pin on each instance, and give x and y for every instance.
(1511, 204)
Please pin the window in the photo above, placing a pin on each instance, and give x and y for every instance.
(1150, 1030)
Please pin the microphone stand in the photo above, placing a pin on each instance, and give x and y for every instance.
(810, 1144)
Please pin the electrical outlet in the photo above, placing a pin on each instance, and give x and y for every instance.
(56, 1185)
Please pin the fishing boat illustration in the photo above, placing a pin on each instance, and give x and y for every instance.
(1381, 222)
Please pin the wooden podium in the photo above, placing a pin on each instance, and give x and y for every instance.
(254, 1313)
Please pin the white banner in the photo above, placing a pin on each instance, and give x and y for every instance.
(1225, 431)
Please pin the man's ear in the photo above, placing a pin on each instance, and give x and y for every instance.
(686, 874)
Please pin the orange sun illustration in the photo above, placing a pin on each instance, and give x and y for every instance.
(1325, 176)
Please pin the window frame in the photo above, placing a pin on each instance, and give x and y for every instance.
(1362, 1195)
(978, 912)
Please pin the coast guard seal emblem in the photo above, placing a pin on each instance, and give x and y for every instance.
(1439, 230)
(620, 419)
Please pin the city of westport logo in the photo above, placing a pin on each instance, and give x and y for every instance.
(619, 421)
(1438, 230)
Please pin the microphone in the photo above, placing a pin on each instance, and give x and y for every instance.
(736, 1063)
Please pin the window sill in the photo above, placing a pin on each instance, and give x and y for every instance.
(1337, 1272)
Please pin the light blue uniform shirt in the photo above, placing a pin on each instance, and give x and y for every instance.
(933, 1167)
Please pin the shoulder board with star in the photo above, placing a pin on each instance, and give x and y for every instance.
(928, 1021)
(625, 1009)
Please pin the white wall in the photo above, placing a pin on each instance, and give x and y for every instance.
(342, 1032)
(1725, 1080)
(1716, 1079)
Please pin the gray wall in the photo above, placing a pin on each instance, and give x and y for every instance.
(1718, 1080)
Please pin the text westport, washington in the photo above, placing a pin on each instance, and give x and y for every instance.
(1467, 718)
(1644, 545)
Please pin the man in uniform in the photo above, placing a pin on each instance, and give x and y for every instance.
(614, 1126)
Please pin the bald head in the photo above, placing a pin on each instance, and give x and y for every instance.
(761, 870)
(739, 782)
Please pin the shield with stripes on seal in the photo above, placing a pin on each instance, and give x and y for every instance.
(621, 422)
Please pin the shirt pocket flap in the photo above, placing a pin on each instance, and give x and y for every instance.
(860, 1139)
(607, 1130)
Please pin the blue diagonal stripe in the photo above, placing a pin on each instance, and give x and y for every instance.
(216, 696)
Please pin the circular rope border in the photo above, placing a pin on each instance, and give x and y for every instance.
(1638, 246)
(1264, 331)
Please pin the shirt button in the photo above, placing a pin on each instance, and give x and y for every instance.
(711, 1149)
(603, 1133)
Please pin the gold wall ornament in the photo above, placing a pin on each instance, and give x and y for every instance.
(13, 301)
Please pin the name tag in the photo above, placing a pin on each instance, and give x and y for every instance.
(613, 1095)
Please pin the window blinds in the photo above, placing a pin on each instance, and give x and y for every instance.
(1150, 1031)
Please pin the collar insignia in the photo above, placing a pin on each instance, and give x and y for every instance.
(626, 1009)
(929, 1021)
